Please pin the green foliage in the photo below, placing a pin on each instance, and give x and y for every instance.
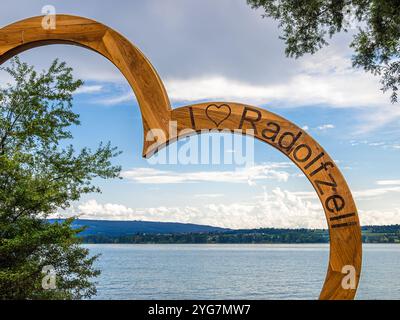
(268, 235)
(32, 244)
(308, 24)
(38, 177)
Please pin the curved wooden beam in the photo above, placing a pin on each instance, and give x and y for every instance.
(315, 163)
(295, 143)
(141, 75)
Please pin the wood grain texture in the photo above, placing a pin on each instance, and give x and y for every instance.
(295, 143)
(141, 75)
(310, 158)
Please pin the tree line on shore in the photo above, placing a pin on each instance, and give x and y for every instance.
(370, 234)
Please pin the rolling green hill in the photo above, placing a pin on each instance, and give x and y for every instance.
(160, 232)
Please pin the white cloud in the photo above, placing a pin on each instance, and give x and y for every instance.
(377, 118)
(325, 127)
(306, 195)
(388, 182)
(277, 208)
(114, 100)
(376, 144)
(374, 193)
(209, 195)
(388, 186)
(243, 175)
(377, 217)
(364, 194)
(324, 79)
(92, 208)
(89, 89)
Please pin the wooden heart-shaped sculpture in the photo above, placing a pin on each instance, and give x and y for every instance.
(295, 143)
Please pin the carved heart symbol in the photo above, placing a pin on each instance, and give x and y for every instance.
(218, 114)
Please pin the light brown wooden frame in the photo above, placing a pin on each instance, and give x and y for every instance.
(306, 153)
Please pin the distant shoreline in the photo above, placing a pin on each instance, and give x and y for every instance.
(152, 232)
(370, 234)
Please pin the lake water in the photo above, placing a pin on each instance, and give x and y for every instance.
(235, 271)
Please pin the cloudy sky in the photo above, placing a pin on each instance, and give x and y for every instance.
(224, 50)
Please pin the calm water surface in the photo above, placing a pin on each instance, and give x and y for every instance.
(235, 271)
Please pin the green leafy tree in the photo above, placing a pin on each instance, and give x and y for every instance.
(308, 24)
(40, 174)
